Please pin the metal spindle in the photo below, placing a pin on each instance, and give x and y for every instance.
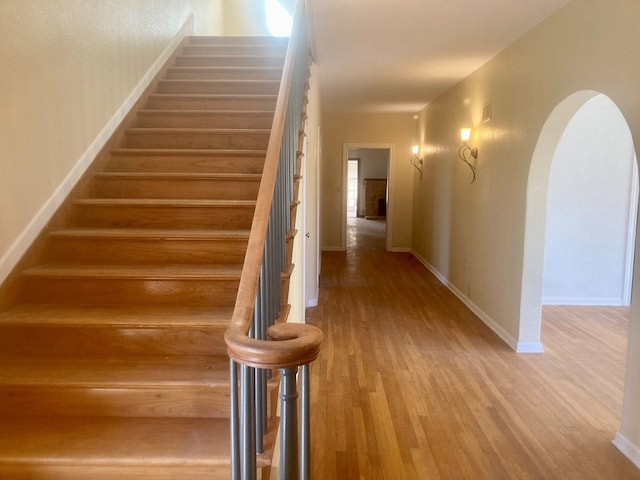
(289, 466)
(247, 424)
(257, 387)
(305, 424)
(235, 421)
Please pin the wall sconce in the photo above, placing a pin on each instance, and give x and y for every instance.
(415, 161)
(466, 152)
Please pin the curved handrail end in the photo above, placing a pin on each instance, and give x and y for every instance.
(290, 345)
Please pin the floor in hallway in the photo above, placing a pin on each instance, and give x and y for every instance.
(411, 385)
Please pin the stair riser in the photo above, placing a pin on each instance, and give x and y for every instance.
(122, 187)
(106, 292)
(218, 87)
(229, 61)
(185, 163)
(146, 251)
(122, 216)
(256, 50)
(185, 401)
(80, 340)
(195, 102)
(169, 119)
(186, 140)
(228, 73)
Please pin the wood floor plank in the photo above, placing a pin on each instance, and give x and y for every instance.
(411, 384)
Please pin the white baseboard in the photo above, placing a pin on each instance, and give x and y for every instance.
(529, 347)
(629, 449)
(400, 250)
(20, 246)
(590, 301)
(519, 347)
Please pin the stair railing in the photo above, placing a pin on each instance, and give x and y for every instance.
(256, 344)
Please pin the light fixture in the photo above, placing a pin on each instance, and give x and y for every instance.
(415, 160)
(466, 152)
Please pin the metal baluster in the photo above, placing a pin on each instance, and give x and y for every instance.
(289, 467)
(259, 397)
(262, 374)
(305, 423)
(235, 421)
(247, 421)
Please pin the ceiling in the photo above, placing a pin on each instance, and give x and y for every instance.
(397, 56)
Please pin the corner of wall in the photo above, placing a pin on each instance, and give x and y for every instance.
(629, 449)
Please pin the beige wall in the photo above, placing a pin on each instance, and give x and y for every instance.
(474, 235)
(244, 17)
(67, 66)
(396, 130)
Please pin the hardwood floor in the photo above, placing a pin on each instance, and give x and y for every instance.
(411, 385)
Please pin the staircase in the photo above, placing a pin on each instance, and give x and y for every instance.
(113, 363)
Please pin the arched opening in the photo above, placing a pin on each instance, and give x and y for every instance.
(552, 140)
(591, 209)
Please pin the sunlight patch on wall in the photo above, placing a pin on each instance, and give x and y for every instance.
(279, 21)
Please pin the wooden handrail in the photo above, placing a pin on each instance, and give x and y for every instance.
(291, 344)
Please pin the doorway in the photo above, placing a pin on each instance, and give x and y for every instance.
(353, 175)
(367, 178)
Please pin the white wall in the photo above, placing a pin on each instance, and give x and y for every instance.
(589, 205)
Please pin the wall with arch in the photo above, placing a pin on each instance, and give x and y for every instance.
(486, 239)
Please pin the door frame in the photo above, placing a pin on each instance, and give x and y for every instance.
(390, 192)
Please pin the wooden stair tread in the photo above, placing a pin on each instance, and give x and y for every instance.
(214, 69)
(138, 371)
(239, 113)
(135, 316)
(188, 152)
(244, 56)
(114, 441)
(180, 176)
(199, 131)
(218, 81)
(237, 40)
(151, 233)
(142, 272)
(161, 202)
(223, 96)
